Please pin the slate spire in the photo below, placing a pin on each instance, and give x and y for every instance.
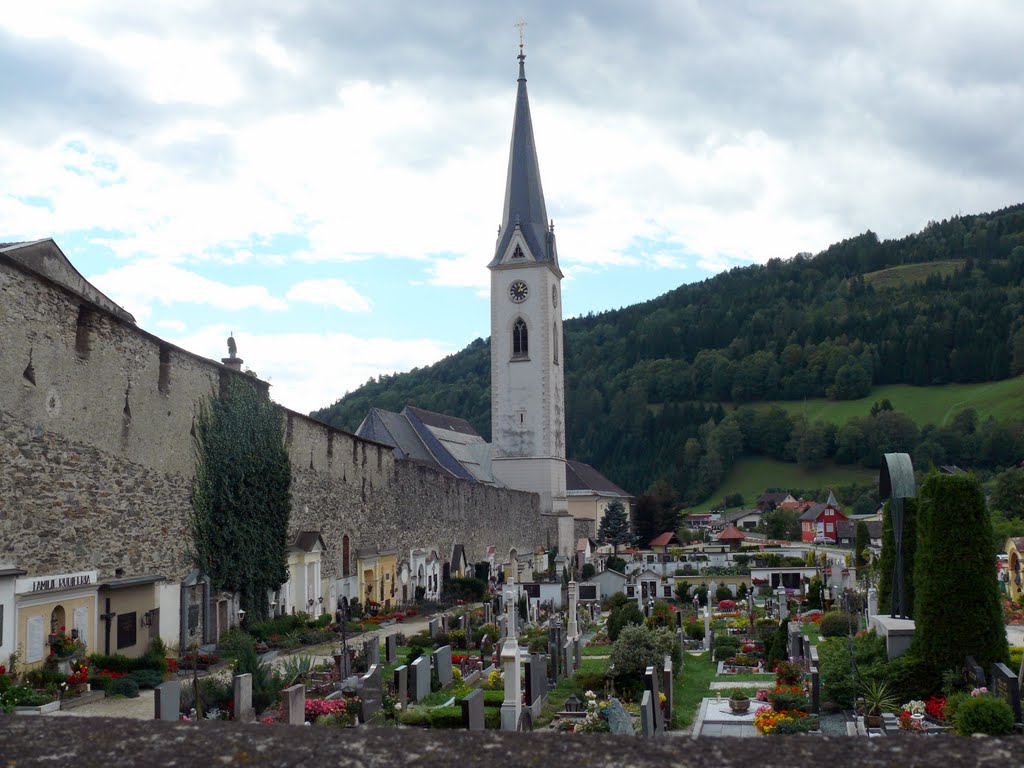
(524, 196)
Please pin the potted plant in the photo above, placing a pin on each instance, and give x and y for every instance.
(738, 700)
(877, 699)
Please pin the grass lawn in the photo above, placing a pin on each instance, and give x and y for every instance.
(811, 630)
(752, 475)
(690, 687)
(911, 274)
(596, 650)
(925, 405)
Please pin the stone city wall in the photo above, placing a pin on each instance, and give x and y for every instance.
(97, 458)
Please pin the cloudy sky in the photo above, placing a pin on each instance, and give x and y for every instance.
(325, 177)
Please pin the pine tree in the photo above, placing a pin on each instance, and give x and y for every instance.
(956, 609)
(614, 528)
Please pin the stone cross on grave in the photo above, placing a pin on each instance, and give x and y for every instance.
(509, 600)
(573, 629)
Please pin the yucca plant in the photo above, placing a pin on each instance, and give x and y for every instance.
(878, 698)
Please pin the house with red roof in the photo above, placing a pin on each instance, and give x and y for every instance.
(660, 544)
(732, 536)
(821, 521)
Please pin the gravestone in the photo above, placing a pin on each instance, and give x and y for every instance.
(648, 727)
(619, 721)
(872, 602)
(444, 623)
(487, 651)
(371, 693)
(572, 630)
(419, 680)
(651, 683)
(681, 640)
(167, 701)
(391, 649)
(795, 641)
(342, 664)
(679, 619)
(815, 690)
(502, 629)
(402, 685)
(371, 651)
(242, 685)
(464, 623)
(473, 710)
(668, 688)
(707, 624)
(433, 627)
(442, 658)
(555, 652)
(294, 704)
(973, 673)
(536, 682)
(1006, 687)
(780, 594)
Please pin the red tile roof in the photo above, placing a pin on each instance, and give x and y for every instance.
(731, 532)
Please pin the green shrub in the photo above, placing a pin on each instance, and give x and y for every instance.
(231, 640)
(457, 639)
(125, 686)
(145, 678)
(695, 630)
(420, 640)
(637, 648)
(492, 718)
(120, 663)
(467, 588)
(446, 717)
(983, 714)
(486, 630)
(797, 725)
(538, 645)
(279, 625)
(101, 683)
(616, 600)
(322, 621)
(494, 698)
(42, 677)
(836, 624)
(415, 716)
(588, 680)
(621, 617)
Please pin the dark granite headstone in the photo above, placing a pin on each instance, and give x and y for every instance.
(815, 691)
(1006, 687)
(391, 649)
(651, 682)
(370, 692)
(442, 659)
(402, 685)
(473, 710)
(974, 675)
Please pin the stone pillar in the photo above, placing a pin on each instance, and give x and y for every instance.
(573, 629)
(244, 713)
(783, 606)
(872, 603)
(707, 624)
(512, 706)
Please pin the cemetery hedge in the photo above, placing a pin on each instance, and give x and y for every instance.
(837, 624)
(957, 606)
(983, 714)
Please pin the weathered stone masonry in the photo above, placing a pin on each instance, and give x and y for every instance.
(97, 459)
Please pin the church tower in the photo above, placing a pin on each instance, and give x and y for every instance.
(527, 389)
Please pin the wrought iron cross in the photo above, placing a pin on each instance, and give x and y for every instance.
(521, 26)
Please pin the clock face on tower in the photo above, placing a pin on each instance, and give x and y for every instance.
(518, 291)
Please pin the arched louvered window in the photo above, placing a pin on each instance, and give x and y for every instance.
(520, 339)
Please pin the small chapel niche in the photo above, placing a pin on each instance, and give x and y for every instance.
(164, 379)
(518, 253)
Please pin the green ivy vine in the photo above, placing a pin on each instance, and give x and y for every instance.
(241, 497)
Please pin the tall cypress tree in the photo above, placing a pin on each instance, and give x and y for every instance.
(241, 495)
(887, 560)
(860, 543)
(956, 610)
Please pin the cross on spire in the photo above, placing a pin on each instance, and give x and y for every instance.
(521, 26)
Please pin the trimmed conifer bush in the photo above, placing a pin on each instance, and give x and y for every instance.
(956, 609)
(984, 714)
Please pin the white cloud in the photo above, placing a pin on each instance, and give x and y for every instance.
(311, 370)
(142, 284)
(330, 292)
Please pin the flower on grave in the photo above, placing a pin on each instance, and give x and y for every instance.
(935, 706)
(398, 706)
(914, 707)
(979, 691)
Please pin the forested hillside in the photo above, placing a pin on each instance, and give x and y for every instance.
(649, 387)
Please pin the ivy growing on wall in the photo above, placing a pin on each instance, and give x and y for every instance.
(241, 496)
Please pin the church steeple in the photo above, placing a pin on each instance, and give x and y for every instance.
(524, 196)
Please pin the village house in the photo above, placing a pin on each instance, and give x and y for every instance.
(819, 522)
